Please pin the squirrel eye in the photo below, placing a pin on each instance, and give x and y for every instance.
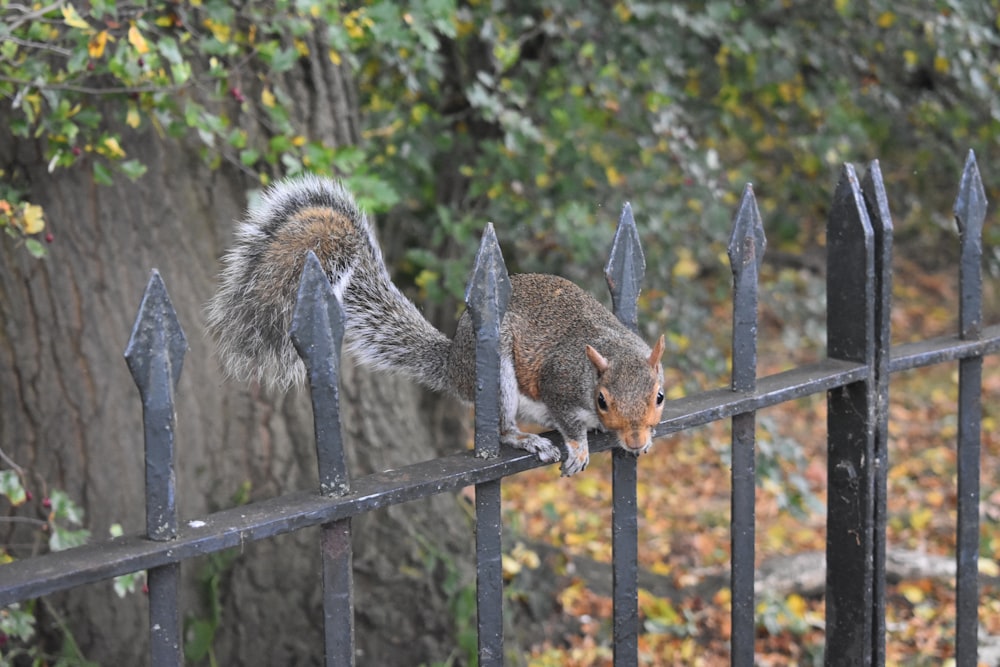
(659, 397)
(602, 402)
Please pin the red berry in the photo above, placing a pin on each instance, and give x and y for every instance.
(49, 238)
(145, 589)
(237, 95)
(90, 66)
(46, 502)
(27, 495)
(76, 151)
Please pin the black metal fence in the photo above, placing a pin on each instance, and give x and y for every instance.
(855, 376)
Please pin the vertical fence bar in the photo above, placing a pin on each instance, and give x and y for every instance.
(746, 252)
(155, 356)
(877, 204)
(970, 212)
(624, 271)
(487, 296)
(317, 332)
(850, 428)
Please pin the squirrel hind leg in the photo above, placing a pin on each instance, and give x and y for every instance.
(543, 448)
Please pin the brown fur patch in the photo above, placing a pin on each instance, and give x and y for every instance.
(326, 232)
(528, 371)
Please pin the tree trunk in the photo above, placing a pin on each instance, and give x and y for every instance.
(71, 415)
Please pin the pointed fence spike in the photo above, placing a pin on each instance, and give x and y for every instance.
(850, 248)
(156, 331)
(873, 191)
(970, 212)
(487, 296)
(155, 356)
(317, 333)
(746, 253)
(625, 269)
(488, 291)
(747, 241)
(970, 205)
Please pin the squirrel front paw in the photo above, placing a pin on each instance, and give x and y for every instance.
(542, 448)
(577, 458)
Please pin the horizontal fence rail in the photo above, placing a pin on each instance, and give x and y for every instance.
(854, 376)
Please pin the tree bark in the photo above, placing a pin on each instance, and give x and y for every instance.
(71, 415)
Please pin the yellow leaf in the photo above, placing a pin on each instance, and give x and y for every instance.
(526, 556)
(298, 140)
(911, 57)
(510, 566)
(921, 518)
(614, 177)
(112, 147)
(886, 20)
(220, 31)
(797, 605)
(267, 98)
(132, 118)
(34, 219)
(989, 567)
(685, 267)
(95, 47)
(334, 57)
(136, 39)
(914, 594)
(74, 20)
(941, 64)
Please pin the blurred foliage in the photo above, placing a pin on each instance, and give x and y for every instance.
(541, 117)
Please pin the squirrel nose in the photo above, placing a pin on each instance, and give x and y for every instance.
(635, 440)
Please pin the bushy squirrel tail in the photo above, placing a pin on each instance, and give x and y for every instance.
(251, 313)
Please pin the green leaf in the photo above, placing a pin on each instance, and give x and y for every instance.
(102, 175)
(17, 622)
(126, 583)
(35, 247)
(167, 47)
(198, 638)
(64, 538)
(133, 169)
(63, 508)
(10, 486)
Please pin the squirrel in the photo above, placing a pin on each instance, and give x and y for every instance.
(565, 361)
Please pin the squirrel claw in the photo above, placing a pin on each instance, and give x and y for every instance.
(577, 458)
(542, 448)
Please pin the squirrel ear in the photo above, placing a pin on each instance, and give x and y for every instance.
(657, 353)
(600, 363)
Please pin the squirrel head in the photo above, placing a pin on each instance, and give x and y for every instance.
(628, 397)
